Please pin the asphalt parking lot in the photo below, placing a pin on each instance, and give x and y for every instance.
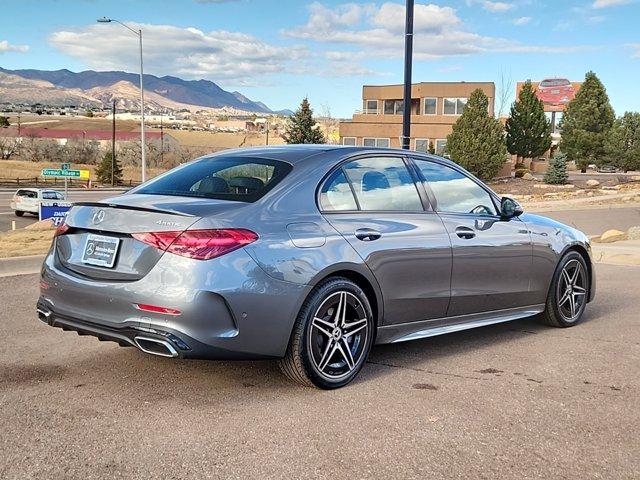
(517, 400)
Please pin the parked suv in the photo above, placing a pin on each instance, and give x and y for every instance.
(27, 200)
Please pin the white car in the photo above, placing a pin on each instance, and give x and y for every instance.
(27, 200)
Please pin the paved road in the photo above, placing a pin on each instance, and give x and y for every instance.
(596, 221)
(517, 400)
(7, 215)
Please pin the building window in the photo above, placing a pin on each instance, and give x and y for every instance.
(393, 107)
(376, 142)
(371, 107)
(453, 106)
(430, 106)
(422, 145)
(441, 146)
(350, 141)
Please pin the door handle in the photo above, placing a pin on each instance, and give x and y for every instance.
(367, 234)
(465, 232)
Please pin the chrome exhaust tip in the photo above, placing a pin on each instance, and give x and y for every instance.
(43, 315)
(153, 346)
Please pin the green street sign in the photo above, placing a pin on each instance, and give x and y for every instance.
(65, 166)
(55, 172)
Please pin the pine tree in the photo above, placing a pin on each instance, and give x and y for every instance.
(528, 128)
(586, 123)
(556, 174)
(622, 145)
(302, 128)
(477, 141)
(103, 172)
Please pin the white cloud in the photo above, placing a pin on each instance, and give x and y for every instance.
(5, 46)
(609, 3)
(185, 52)
(377, 31)
(521, 21)
(492, 6)
(636, 48)
(496, 6)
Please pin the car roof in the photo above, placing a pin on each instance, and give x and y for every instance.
(296, 154)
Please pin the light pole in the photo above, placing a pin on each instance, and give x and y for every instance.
(139, 34)
(408, 59)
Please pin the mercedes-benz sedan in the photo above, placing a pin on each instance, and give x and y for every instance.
(309, 255)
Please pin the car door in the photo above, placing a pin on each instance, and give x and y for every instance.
(376, 205)
(492, 256)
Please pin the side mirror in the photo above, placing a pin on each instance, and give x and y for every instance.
(509, 208)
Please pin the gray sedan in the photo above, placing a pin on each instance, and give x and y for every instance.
(309, 255)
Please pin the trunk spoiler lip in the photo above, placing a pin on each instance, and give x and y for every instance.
(131, 207)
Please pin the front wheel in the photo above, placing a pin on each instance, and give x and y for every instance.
(569, 292)
(332, 336)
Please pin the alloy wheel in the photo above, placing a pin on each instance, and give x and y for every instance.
(338, 335)
(572, 290)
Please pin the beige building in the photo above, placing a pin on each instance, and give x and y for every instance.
(435, 107)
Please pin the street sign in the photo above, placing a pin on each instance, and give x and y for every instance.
(56, 211)
(65, 166)
(55, 172)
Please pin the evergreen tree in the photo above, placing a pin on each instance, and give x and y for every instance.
(556, 174)
(477, 141)
(586, 123)
(622, 145)
(103, 172)
(302, 128)
(4, 121)
(528, 128)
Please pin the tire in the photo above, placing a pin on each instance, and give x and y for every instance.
(559, 311)
(332, 336)
(19, 213)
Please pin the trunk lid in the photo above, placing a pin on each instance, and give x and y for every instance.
(120, 217)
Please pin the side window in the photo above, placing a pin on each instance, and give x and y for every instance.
(336, 194)
(455, 192)
(49, 196)
(383, 184)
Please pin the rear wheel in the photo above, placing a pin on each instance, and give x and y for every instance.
(19, 213)
(332, 336)
(568, 293)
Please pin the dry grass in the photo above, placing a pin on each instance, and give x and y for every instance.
(218, 140)
(23, 242)
(24, 169)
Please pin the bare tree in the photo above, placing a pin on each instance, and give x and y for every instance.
(504, 94)
(8, 146)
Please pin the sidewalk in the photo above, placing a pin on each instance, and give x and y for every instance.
(626, 252)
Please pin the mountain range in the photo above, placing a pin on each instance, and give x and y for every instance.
(91, 89)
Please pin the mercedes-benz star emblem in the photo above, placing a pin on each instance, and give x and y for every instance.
(98, 217)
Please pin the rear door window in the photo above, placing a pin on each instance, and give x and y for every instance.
(383, 184)
(222, 178)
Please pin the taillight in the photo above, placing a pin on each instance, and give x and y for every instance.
(61, 229)
(199, 244)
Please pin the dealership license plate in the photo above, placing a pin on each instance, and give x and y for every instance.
(100, 250)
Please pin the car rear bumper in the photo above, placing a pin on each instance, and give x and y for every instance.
(229, 307)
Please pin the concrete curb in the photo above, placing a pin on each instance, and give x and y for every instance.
(20, 265)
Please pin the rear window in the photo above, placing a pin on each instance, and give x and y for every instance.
(27, 194)
(221, 178)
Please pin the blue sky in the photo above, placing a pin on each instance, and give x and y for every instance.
(280, 51)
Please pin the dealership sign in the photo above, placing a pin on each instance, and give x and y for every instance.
(555, 93)
(56, 211)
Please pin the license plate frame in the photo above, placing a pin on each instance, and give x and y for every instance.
(102, 252)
